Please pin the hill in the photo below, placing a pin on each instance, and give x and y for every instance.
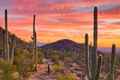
(19, 43)
(64, 45)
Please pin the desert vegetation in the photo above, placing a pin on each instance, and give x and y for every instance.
(64, 60)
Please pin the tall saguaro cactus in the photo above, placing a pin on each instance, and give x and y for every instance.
(88, 64)
(34, 42)
(6, 38)
(94, 52)
(112, 67)
(93, 64)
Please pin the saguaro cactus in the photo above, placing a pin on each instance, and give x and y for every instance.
(87, 56)
(6, 38)
(112, 67)
(94, 52)
(88, 64)
(3, 43)
(99, 63)
(34, 42)
(13, 45)
(93, 64)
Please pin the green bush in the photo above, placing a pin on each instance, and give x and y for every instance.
(40, 56)
(69, 76)
(23, 62)
(57, 67)
(8, 71)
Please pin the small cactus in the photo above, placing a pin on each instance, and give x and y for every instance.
(112, 67)
(49, 69)
(98, 67)
(13, 45)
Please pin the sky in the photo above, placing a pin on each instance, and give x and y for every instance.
(63, 19)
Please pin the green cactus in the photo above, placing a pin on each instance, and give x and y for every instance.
(13, 45)
(3, 43)
(34, 42)
(87, 56)
(6, 38)
(112, 67)
(93, 65)
(89, 69)
(94, 52)
(98, 67)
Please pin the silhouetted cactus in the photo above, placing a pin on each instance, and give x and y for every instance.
(6, 38)
(88, 64)
(34, 42)
(93, 65)
(112, 66)
(98, 67)
(3, 43)
(87, 56)
(13, 45)
(94, 52)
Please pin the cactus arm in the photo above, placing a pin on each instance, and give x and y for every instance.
(13, 49)
(95, 33)
(112, 67)
(87, 57)
(98, 67)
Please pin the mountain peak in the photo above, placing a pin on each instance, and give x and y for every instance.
(64, 44)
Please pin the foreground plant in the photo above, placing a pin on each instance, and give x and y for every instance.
(69, 76)
(8, 71)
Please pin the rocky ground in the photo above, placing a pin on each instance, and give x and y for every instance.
(43, 76)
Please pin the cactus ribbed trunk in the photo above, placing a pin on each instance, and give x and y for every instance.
(13, 45)
(93, 65)
(87, 56)
(6, 38)
(34, 42)
(3, 42)
(94, 52)
(98, 67)
(112, 67)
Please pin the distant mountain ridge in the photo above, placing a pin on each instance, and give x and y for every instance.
(64, 44)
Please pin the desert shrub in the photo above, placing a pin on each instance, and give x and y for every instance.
(68, 76)
(55, 55)
(23, 62)
(40, 56)
(8, 71)
(57, 67)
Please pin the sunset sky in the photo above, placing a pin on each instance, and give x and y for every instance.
(61, 19)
